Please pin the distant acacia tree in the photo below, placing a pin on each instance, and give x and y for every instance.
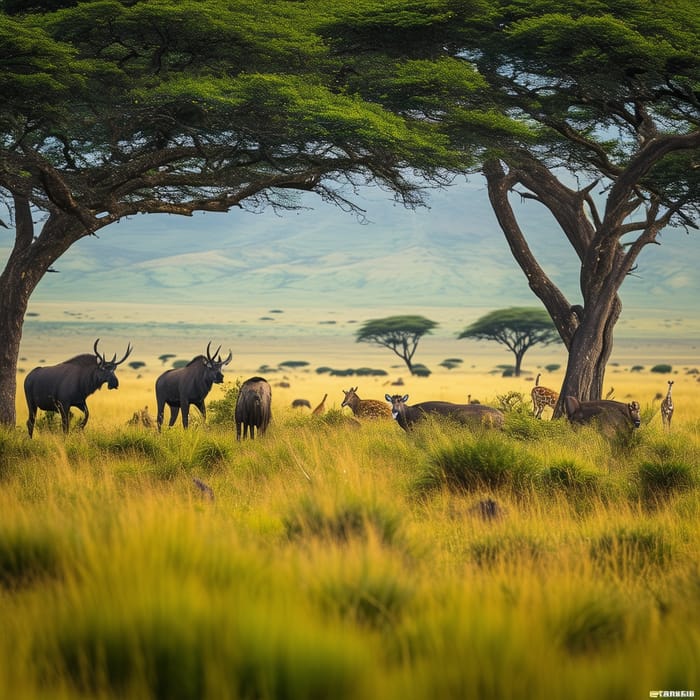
(398, 333)
(518, 328)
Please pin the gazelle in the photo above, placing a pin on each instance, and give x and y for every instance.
(365, 408)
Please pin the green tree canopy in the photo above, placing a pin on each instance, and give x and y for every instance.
(113, 108)
(518, 328)
(589, 109)
(398, 333)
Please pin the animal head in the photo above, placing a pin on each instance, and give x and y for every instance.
(350, 394)
(633, 408)
(106, 368)
(214, 363)
(397, 403)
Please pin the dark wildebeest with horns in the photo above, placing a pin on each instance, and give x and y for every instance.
(69, 383)
(189, 385)
(467, 414)
(611, 415)
(253, 407)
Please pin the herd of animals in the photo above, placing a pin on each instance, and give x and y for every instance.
(68, 384)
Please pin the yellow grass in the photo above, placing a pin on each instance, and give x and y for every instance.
(338, 562)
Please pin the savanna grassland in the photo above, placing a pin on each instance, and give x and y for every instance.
(330, 560)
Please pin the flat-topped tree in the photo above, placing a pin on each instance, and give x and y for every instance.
(589, 110)
(114, 109)
(518, 328)
(398, 333)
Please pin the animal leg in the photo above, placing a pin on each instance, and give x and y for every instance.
(83, 407)
(65, 416)
(202, 409)
(238, 431)
(174, 413)
(185, 407)
(31, 420)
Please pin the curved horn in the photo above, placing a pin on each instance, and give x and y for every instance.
(100, 357)
(228, 358)
(210, 357)
(126, 354)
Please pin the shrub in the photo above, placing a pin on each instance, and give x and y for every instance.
(568, 477)
(631, 549)
(420, 371)
(659, 480)
(489, 462)
(591, 626)
(294, 364)
(637, 368)
(513, 402)
(129, 442)
(662, 369)
(552, 368)
(341, 522)
(223, 411)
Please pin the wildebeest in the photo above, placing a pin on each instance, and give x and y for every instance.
(253, 407)
(189, 385)
(475, 414)
(69, 383)
(610, 414)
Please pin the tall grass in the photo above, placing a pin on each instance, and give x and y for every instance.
(334, 560)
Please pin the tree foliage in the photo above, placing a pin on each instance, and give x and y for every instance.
(112, 109)
(591, 110)
(400, 334)
(518, 328)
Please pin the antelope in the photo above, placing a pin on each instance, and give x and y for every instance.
(542, 397)
(365, 408)
(406, 416)
(614, 414)
(667, 408)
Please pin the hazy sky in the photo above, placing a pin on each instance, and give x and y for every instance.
(450, 255)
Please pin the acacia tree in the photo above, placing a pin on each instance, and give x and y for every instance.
(398, 333)
(112, 109)
(590, 110)
(518, 328)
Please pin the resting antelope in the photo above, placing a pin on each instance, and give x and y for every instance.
(365, 408)
(613, 414)
(474, 414)
(542, 397)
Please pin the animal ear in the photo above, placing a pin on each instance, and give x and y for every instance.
(405, 398)
(388, 398)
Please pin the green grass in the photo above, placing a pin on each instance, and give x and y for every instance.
(337, 560)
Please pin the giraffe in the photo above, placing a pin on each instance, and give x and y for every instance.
(321, 408)
(542, 397)
(667, 408)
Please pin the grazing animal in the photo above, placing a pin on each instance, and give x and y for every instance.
(253, 407)
(612, 414)
(142, 418)
(69, 383)
(542, 397)
(475, 414)
(364, 408)
(321, 408)
(299, 403)
(667, 408)
(189, 385)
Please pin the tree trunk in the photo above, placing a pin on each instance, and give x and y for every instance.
(518, 362)
(27, 264)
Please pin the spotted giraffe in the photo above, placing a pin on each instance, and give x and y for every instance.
(542, 397)
(667, 408)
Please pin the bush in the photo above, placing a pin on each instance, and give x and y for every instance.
(489, 462)
(223, 411)
(552, 368)
(570, 478)
(662, 369)
(661, 480)
(421, 371)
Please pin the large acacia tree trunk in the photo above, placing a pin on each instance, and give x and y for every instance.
(28, 262)
(586, 330)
